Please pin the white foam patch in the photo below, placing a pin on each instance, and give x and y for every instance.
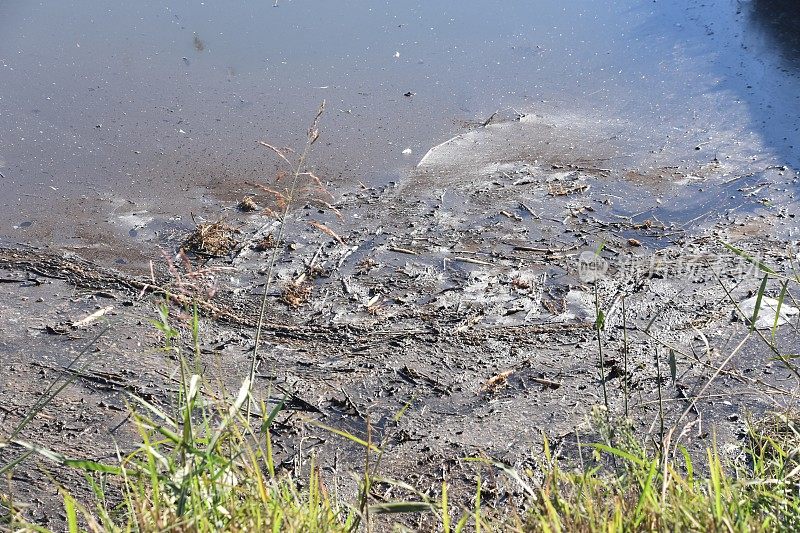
(134, 220)
(591, 140)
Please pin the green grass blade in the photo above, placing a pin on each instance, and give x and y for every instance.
(445, 510)
(510, 472)
(620, 453)
(233, 411)
(272, 414)
(71, 512)
(749, 258)
(402, 507)
(82, 464)
(757, 308)
(673, 366)
(781, 296)
(345, 434)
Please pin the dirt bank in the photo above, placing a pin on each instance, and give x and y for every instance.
(475, 305)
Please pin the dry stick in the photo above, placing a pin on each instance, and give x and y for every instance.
(665, 474)
(712, 378)
(665, 442)
(625, 353)
(692, 405)
(363, 507)
(47, 396)
(660, 403)
(312, 136)
(706, 397)
(598, 326)
(737, 377)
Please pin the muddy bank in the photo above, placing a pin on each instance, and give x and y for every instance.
(476, 306)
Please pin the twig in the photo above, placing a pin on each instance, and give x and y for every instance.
(712, 378)
(546, 382)
(529, 210)
(402, 250)
(512, 216)
(471, 260)
(92, 317)
(311, 138)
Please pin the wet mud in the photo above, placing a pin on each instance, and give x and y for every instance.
(478, 310)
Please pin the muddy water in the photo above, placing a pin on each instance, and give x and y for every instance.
(119, 120)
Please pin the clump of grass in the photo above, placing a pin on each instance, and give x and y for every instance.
(647, 492)
(204, 464)
(205, 468)
(779, 434)
(212, 238)
(201, 465)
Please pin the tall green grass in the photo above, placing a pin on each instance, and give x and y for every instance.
(650, 492)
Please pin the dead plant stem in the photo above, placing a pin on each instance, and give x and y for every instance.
(311, 137)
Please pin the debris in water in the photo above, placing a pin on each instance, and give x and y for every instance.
(497, 382)
(296, 294)
(92, 317)
(267, 243)
(560, 190)
(326, 230)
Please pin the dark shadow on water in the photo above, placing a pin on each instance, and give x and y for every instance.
(772, 39)
(780, 22)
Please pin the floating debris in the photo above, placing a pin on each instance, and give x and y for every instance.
(496, 382)
(295, 295)
(267, 243)
(326, 230)
(558, 189)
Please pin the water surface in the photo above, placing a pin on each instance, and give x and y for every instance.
(148, 110)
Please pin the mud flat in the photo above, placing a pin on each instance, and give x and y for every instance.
(469, 292)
